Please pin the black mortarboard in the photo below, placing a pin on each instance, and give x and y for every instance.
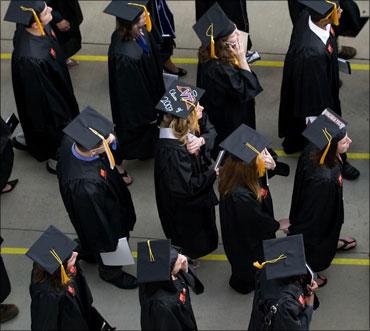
(51, 249)
(213, 23)
(154, 261)
(180, 99)
(245, 143)
(129, 11)
(325, 127)
(25, 17)
(320, 9)
(79, 128)
(284, 257)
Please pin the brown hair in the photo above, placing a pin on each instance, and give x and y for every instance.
(40, 275)
(235, 173)
(330, 158)
(181, 126)
(124, 29)
(223, 53)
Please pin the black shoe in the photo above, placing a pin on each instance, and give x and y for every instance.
(17, 145)
(125, 281)
(50, 170)
(84, 255)
(340, 83)
(347, 52)
(180, 71)
(349, 172)
(242, 287)
(8, 312)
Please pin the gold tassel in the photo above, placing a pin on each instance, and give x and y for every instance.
(261, 169)
(261, 265)
(329, 138)
(63, 275)
(37, 20)
(334, 13)
(151, 256)
(107, 150)
(209, 33)
(148, 21)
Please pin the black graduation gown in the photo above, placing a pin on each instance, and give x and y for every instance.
(70, 41)
(6, 154)
(185, 196)
(310, 79)
(229, 96)
(4, 279)
(60, 310)
(96, 199)
(43, 92)
(245, 222)
(166, 306)
(351, 22)
(135, 87)
(317, 209)
(292, 313)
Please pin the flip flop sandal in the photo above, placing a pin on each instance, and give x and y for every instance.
(347, 244)
(126, 175)
(12, 184)
(323, 279)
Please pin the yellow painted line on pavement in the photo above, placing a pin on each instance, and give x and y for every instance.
(190, 60)
(210, 257)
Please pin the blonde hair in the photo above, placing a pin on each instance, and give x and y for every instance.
(235, 172)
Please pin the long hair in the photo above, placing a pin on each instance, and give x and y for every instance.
(40, 275)
(223, 53)
(331, 157)
(181, 127)
(124, 29)
(235, 173)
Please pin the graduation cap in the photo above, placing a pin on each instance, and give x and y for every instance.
(320, 9)
(51, 250)
(155, 258)
(246, 143)
(89, 129)
(180, 99)
(284, 257)
(324, 129)
(212, 25)
(23, 12)
(129, 11)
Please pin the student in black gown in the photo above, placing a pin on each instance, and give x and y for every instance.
(230, 84)
(60, 297)
(183, 181)
(96, 198)
(164, 22)
(42, 86)
(317, 201)
(6, 159)
(284, 298)
(311, 76)
(165, 279)
(135, 81)
(67, 18)
(7, 311)
(246, 209)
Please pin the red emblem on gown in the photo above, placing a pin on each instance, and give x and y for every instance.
(264, 192)
(73, 270)
(103, 173)
(330, 48)
(70, 290)
(332, 31)
(301, 300)
(53, 53)
(183, 296)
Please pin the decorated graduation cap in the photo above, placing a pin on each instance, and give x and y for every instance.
(129, 11)
(284, 257)
(89, 129)
(212, 25)
(180, 99)
(51, 250)
(320, 9)
(324, 129)
(155, 260)
(245, 144)
(24, 12)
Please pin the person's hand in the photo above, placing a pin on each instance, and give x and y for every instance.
(195, 144)
(111, 139)
(63, 25)
(217, 171)
(268, 160)
(284, 225)
(311, 289)
(239, 52)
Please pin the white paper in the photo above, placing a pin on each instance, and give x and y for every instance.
(121, 256)
(253, 56)
(169, 79)
(243, 40)
(344, 66)
(219, 159)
